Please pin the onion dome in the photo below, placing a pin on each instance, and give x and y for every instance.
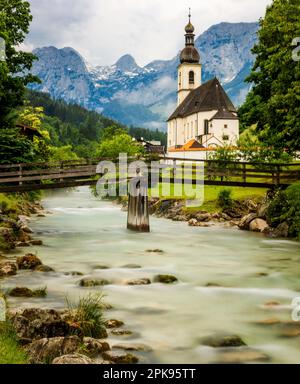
(189, 28)
(189, 54)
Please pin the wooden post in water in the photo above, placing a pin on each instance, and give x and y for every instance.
(138, 209)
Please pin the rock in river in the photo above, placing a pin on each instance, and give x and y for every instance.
(133, 347)
(94, 347)
(242, 356)
(222, 341)
(28, 261)
(36, 323)
(113, 323)
(93, 283)
(258, 225)
(26, 292)
(120, 358)
(74, 358)
(8, 268)
(165, 279)
(44, 268)
(46, 350)
(144, 281)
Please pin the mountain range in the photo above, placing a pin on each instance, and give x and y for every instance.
(146, 96)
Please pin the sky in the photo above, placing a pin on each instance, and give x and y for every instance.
(104, 30)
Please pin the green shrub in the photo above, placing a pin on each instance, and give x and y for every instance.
(225, 198)
(285, 207)
(87, 315)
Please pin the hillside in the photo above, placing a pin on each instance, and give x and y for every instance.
(71, 124)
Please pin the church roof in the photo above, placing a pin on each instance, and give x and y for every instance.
(208, 97)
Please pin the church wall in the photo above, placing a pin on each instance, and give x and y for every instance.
(232, 131)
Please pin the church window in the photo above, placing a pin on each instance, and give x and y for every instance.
(225, 137)
(206, 129)
(225, 126)
(191, 77)
(179, 79)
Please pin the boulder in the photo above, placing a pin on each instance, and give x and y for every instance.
(46, 350)
(74, 273)
(155, 251)
(22, 244)
(262, 211)
(44, 268)
(36, 242)
(121, 332)
(101, 266)
(201, 217)
(120, 358)
(94, 347)
(93, 283)
(8, 268)
(132, 266)
(74, 358)
(281, 231)
(246, 220)
(233, 213)
(133, 347)
(112, 323)
(35, 323)
(28, 261)
(26, 292)
(193, 222)
(242, 356)
(144, 281)
(26, 229)
(251, 205)
(165, 279)
(222, 341)
(7, 238)
(258, 225)
(225, 217)
(23, 237)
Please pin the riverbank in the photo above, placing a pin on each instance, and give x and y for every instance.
(15, 213)
(248, 214)
(87, 244)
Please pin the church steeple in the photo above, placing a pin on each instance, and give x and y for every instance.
(189, 70)
(189, 53)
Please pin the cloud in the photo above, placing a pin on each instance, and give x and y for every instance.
(103, 30)
(150, 94)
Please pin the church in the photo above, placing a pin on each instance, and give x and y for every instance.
(205, 117)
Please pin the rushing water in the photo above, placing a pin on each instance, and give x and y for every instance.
(83, 233)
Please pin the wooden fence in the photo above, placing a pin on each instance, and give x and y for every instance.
(38, 176)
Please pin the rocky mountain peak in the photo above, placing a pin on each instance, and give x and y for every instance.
(127, 63)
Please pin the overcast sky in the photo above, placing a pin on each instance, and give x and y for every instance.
(104, 30)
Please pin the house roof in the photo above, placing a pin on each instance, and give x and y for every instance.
(192, 145)
(208, 97)
(28, 130)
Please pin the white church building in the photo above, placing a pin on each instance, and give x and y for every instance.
(205, 117)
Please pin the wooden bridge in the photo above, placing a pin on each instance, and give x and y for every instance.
(42, 176)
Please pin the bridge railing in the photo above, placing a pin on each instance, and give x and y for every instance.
(33, 176)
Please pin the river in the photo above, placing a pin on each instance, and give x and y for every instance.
(249, 269)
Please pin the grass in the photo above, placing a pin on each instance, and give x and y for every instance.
(210, 194)
(87, 315)
(10, 350)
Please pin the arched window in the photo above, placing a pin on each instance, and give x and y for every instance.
(191, 77)
(179, 79)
